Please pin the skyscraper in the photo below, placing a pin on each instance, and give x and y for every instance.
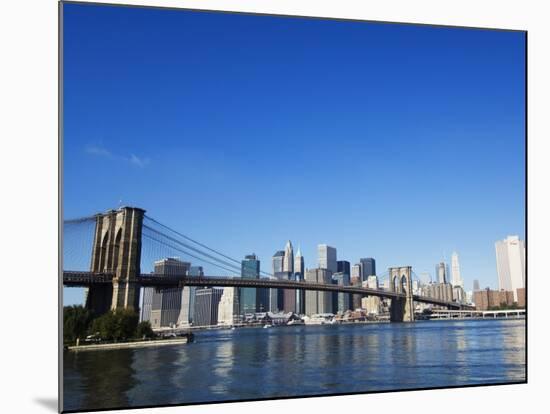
(277, 262)
(169, 307)
(441, 272)
(456, 278)
(206, 306)
(288, 260)
(340, 301)
(476, 285)
(327, 258)
(368, 268)
(318, 302)
(343, 266)
(299, 263)
(250, 269)
(228, 309)
(510, 254)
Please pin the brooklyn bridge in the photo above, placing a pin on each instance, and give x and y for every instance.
(106, 254)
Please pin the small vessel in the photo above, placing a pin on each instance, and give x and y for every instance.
(267, 326)
(319, 319)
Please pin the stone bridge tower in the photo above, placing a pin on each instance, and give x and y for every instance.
(116, 250)
(402, 310)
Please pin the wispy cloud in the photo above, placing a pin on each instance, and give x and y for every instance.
(137, 161)
(100, 151)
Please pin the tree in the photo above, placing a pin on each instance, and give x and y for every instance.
(116, 325)
(76, 322)
(144, 330)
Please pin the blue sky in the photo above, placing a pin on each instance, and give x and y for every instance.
(397, 142)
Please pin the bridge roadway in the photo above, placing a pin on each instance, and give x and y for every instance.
(83, 279)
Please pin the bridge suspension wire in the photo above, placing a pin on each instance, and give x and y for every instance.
(181, 250)
(198, 243)
(173, 240)
(77, 241)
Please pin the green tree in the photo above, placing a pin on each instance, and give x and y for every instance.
(144, 330)
(116, 325)
(76, 322)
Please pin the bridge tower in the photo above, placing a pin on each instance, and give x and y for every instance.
(116, 250)
(402, 309)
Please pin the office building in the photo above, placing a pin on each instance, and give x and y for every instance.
(355, 280)
(368, 268)
(299, 263)
(207, 301)
(510, 255)
(327, 258)
(250, 269)
(487, 298)
(229, 309)
(441, 272)
(476, 285)
(168, 307)
(288, 258)
(343, 266)
(318, 302)
(340, 301)
(456, 278)
(277, 296)
(277, 262)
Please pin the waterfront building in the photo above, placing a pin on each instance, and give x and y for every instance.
(288, 258)
(456, 278)
(168, 307)
(521, 297)
(355, 280)
(250, 269)
(440, 291)
(340, 301)
(487, 298)
(371, 304)
(277, 296)
(327, 258)
(207, 301)
(228, 309)
(193, 271)
(458, 294)
(510, 254)
(368, 268)
(318, 302)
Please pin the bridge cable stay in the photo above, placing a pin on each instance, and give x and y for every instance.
(152, 220)
(198, 251)
(77, 241)
(155, 248)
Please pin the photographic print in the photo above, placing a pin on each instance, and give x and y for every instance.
(261, 206)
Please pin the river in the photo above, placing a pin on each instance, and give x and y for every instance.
(252, 363)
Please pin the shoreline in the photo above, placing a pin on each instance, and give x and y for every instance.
(129, 345)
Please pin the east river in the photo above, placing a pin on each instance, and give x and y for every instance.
(252, 363)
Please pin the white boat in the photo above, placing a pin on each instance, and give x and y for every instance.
(267, 326)
(319, 319)
(296, 322)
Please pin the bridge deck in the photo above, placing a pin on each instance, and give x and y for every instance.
(71, 278)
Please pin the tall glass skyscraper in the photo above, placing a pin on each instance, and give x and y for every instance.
(250, 269)
(368, 268)
(510, 254)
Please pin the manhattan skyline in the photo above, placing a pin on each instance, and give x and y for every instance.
(397, 142)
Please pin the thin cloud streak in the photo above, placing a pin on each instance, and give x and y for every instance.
(99, 151)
